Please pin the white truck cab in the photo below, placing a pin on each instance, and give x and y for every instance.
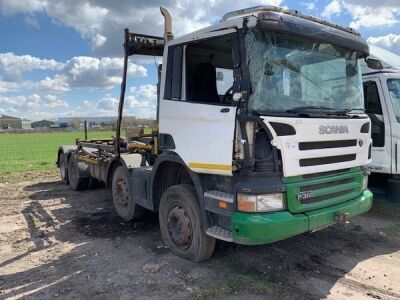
(382, 104)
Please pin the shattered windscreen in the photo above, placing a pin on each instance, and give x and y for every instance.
(288, 72)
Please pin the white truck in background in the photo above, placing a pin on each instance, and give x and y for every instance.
(382, 104)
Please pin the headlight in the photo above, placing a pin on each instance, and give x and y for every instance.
(260, 203)
(365, 183)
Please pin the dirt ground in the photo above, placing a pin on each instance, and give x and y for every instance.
(57, 243)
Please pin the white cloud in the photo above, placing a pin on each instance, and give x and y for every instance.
(78, 72)
(148, 91)
(6, 86)
(98, 41)
(33, 106)
(14, 65)
(102, 22)
(58, 83)
(103, 73)
(108, 103)
(365, 13)
(390, 42)
(333, 8)
(22, 103)
(9, 7)
(372, 16)
(142, 101)
(53, 101)
(310, 5)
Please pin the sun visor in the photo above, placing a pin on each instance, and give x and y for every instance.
(317, 31)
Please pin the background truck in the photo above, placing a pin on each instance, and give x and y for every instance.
(278, 149)
(382, 104)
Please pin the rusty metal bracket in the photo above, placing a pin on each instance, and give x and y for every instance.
(342, 218)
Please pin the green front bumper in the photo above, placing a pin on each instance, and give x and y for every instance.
(264, 228)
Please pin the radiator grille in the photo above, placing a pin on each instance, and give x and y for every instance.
(327, 144)
(317, 175)
(325, 184)
(307, 162)
(327, 196)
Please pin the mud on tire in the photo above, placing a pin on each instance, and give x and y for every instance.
(76, 182)
(181, 224)
(63, 166)
(123, 202)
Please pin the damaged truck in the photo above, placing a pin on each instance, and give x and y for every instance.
(278, 149)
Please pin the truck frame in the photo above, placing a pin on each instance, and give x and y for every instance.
(272, 156)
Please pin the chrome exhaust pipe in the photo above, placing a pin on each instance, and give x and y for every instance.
(168, 35)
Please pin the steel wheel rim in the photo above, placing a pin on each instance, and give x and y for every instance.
(180, 226)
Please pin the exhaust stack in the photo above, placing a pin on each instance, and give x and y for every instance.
(168, 35)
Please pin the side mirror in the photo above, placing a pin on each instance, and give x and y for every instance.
(220, 76)
(239, 96)
(351, 70)
(374, 63)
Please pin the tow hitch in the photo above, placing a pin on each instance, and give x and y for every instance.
(342, 218)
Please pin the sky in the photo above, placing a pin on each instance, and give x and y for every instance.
(63, 58)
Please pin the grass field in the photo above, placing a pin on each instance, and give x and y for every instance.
(37, 151)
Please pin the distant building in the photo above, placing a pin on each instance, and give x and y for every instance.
(8, 122)
(26, 124)
(42, 124)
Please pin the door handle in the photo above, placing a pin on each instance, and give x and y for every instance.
(225, 110)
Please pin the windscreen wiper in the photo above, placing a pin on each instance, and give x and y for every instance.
(301, 109)
(349, 110)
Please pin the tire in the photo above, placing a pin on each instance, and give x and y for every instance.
(76, 183)
(124, 204)
(63, 166)
(181, 224)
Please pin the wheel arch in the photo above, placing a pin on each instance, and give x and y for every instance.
(114, 164)
(111, 169)
(170, 170)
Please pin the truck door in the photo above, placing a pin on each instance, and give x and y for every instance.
(391, 88)
(380, 126)
(196, 113)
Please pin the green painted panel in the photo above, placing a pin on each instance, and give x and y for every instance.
(264, 228)
(304, 177)
(329, 185)
(256, 229)
(325, 216)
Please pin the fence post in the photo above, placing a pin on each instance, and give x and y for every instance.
(85, 126)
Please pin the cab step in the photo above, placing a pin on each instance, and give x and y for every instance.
(220, 233)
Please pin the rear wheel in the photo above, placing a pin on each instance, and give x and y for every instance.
(75, 181)
(124, 204)
(63, 165)
(181, 224)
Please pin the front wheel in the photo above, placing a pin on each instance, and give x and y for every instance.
(124, 204)
(181, 224)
